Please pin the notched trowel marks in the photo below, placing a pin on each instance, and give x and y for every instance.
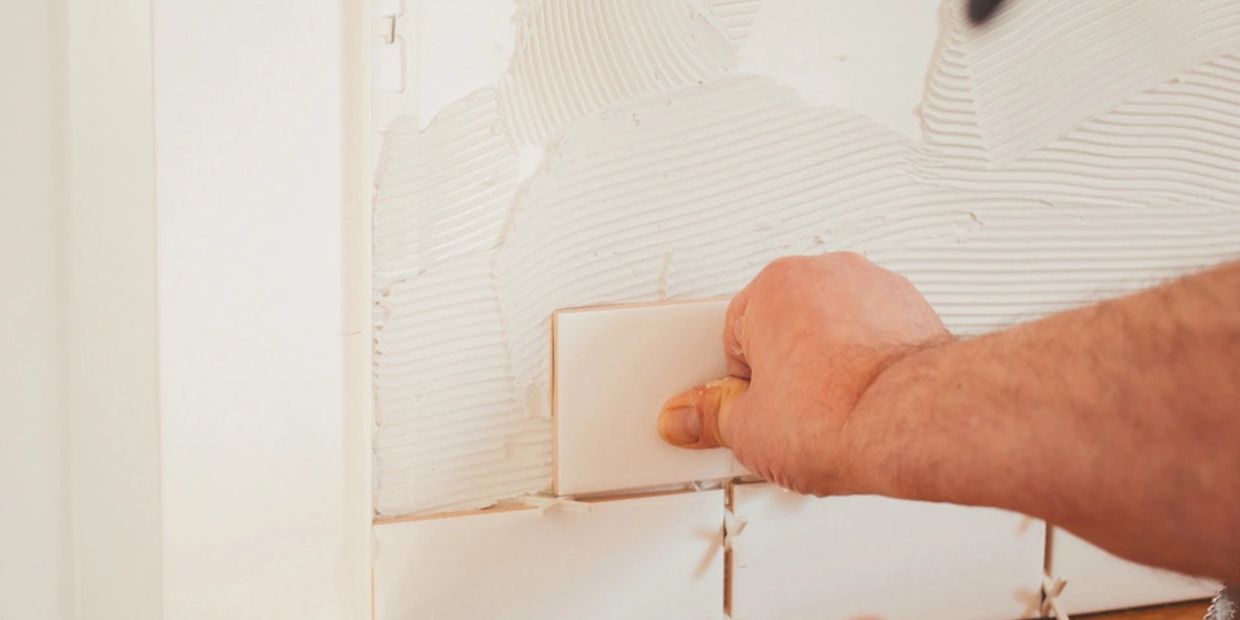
(1172, 136)
(577, 57)
(1045, 66)
(665, 177)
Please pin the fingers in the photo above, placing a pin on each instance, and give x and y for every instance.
(698, 418)
(733, 335)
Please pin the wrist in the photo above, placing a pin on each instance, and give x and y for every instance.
(886, 438)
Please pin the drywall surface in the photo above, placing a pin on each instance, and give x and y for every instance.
(868, 56)
(641, 151)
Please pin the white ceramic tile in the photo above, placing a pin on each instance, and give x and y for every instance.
(805, 558)
(649, 557)
(1099, 581)
(614, 368)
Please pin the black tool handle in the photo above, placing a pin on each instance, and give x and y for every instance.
(981, 10)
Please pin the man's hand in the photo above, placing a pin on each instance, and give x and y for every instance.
(810, 334)
(1117, 421)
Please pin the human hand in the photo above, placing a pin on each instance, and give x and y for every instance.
(803, 342)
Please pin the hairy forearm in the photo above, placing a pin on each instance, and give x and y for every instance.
(1119, 422)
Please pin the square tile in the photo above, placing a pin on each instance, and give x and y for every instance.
(614, 368)
(807, 558)
(1099, 581)
(647, 557)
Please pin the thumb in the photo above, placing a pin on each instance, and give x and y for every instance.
(698, 418)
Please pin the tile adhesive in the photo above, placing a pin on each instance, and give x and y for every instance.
(1066, 155)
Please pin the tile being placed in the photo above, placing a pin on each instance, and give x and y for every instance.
(803, 558)
(647, 557)
(1099, 581)
(614, 368)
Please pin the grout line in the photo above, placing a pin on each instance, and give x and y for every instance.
(1047, 560)
(728, 556)
(498, 508)
(451, 514)
(1048, 550)
(645, 494)
(555, 404)
(641, 304)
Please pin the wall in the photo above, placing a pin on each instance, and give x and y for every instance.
(644, 151)
(258, 133)
(34, 577)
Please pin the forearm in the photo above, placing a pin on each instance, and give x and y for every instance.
(1117, 421)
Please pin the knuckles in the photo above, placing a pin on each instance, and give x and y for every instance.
(785, 267)
(788, 268)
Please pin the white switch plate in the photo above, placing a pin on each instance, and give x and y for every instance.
(841, 557)
(1099, 581)
(614, 368)
(649, 557)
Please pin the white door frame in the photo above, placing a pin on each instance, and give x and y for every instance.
(218, 309)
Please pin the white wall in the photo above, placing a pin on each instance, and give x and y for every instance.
(257, 129)
(33, 530)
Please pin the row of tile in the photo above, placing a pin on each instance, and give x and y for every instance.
(792, 557)
(662, 556)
